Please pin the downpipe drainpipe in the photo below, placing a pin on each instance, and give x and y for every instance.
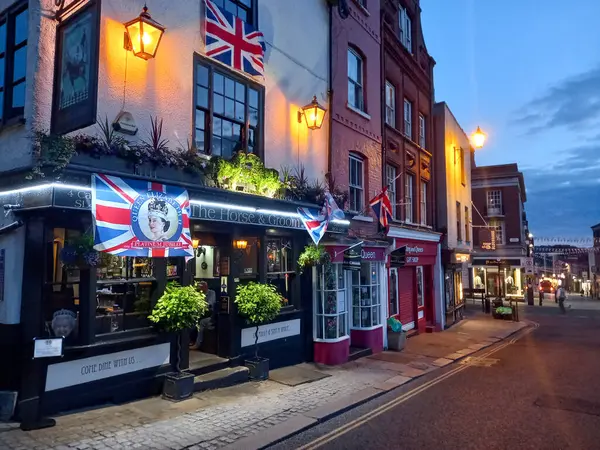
(330, 95)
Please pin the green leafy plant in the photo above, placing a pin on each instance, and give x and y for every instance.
(259, 303)
(156, 142)
(313, 255)
(52, 152)
(245, 171)
(178, 309)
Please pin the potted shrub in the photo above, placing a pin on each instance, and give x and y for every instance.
(258, 303)
(396, 335)
(178, 309)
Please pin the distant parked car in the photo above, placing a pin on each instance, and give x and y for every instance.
(546, 287)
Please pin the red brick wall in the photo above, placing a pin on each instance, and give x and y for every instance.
(511, 209)
(351, 131)
(411, 76)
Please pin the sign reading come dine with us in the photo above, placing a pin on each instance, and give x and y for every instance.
(140, 218)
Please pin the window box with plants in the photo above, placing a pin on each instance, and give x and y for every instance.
(179, 309)
(396, 335)
(259, 303)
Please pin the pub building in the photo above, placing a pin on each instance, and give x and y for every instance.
(153, 74)
(111, 351)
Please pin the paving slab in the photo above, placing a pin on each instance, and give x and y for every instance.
(392, 383)
(343, 404)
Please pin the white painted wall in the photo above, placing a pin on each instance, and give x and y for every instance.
(13, 244)
(295, 70)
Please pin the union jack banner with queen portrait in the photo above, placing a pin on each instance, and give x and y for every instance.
(140, 218)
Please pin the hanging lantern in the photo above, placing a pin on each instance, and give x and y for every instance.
(143, 35)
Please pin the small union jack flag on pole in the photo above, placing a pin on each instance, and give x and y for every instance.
(233, 42)
(382, 207)
(140, 218)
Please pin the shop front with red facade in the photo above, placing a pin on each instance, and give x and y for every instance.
(349, 297)
(412, 295)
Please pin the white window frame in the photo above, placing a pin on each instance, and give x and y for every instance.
(408, 118)
(422, 140)
(408, 197)
(420, 282)
(337, 289)
(394, 285)
(459, 236)
(467, 225)
(390, 104)
(405, 28)
(494, 202)
(366, 307)
(423, 211)
(390, 178)
(357, 191)
(498, 227)
(356, 81)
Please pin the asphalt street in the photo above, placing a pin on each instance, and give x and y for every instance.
(539, 390)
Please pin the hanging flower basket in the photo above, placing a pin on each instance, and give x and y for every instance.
(80, 253)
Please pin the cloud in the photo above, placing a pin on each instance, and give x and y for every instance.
(561, 202)
(573, 103)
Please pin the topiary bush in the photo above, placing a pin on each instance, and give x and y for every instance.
(259, 303)
(178, 309)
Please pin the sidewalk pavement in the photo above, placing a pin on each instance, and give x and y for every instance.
(254, 415)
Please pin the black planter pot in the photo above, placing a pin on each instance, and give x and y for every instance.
(259, 368)
(178, 386)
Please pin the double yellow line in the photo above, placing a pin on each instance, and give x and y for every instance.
(319, 442)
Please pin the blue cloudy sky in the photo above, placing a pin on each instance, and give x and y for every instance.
(528, 72)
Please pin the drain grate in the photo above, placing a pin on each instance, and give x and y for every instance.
(577, 405)
(479, 362)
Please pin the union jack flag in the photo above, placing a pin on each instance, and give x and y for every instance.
(382, 206)
(140, 218)
(316, 223)
(233, 42)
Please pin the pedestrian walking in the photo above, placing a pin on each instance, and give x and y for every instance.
(541, 296)
(561, 295)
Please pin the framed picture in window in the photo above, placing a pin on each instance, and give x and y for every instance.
(75, 94)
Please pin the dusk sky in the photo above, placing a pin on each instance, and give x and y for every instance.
(528, 73)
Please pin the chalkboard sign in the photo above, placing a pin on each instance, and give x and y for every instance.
(73, 198)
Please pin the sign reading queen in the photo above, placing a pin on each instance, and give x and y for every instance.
(140, 218)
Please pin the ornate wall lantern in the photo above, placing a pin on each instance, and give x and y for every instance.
(313, 113)
(143, 35)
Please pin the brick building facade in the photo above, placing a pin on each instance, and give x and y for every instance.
(408, 144)
(500, 229)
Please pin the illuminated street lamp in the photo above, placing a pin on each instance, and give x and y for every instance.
(478, 138)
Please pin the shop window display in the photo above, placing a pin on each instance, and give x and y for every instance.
(330, 297)
(420, 291)
(124, 289)
(61, 290)
(365, 297)
(280, 267)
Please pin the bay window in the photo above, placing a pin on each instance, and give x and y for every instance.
(330, 299)
(366, 301)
